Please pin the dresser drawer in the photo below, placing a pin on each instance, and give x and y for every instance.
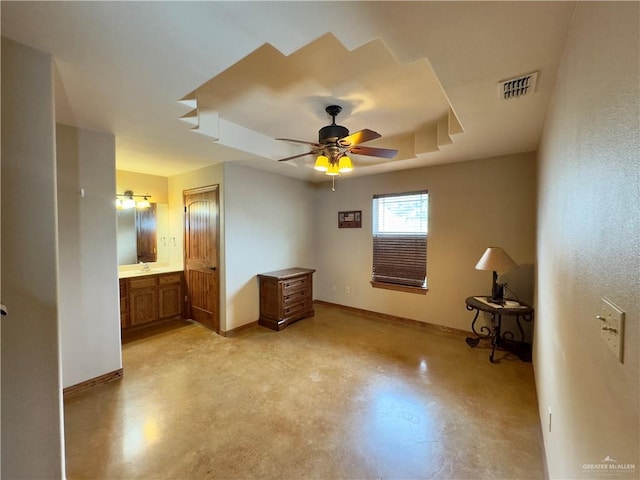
(294, 284)
(291, 298)
(292, 310)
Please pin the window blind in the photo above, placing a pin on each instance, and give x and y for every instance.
(400, 228)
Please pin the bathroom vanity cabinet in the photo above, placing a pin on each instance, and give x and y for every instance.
(148, 299)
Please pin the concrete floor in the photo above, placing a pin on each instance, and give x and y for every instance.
(336, 396)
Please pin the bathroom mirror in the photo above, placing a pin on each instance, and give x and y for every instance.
(143, 234)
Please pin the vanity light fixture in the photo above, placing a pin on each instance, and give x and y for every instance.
(144, 203)
(126, 200)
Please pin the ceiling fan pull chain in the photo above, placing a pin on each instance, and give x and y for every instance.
(333, 183)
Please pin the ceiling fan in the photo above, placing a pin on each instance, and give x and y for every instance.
(335, 144)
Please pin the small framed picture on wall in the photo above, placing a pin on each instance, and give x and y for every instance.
(350, 219)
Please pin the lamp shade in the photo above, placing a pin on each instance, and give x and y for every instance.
(496, 259)
(345, 165)
(333, 170)
(322, 163)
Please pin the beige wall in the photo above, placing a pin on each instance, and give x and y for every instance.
(588, 245)
(142, 184)
(473, 205)
(270, 222)
(88, 276)
(32, 427)
(265, 224)
(269, 226)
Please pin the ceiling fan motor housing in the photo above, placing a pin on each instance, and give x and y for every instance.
(332, 133)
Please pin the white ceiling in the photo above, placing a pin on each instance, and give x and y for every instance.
(122, 67)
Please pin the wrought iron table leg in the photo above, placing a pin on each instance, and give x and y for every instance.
(471, 341)
(496, 321)
(502, 339)
(520, 328)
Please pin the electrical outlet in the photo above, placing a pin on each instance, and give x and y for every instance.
(611, 319)
(347, 290)
(333, 288)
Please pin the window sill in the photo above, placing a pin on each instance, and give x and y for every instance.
(400, 288)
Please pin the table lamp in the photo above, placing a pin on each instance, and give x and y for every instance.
(496, 260)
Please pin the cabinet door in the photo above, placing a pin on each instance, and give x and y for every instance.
(143, 305)
(170, 301)
(124, 304)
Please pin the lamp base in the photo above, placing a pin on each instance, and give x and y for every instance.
(497, 295)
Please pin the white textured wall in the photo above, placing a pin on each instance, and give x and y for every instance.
(473, 205)
(588, 244)
(88, 272)
(32, 427)
(269, 226)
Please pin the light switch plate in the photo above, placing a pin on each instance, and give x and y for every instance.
(612, 327)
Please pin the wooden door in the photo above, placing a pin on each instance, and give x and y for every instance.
(201, 255)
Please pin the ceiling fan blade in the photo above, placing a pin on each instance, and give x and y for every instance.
(358, 137)
(374, 152)
(298, 156)
(299, 141)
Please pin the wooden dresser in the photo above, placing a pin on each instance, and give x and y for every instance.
(285, 297)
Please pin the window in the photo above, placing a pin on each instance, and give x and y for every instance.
(400, 227)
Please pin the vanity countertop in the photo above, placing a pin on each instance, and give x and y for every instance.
(138, 272)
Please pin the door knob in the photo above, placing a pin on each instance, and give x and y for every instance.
(212, 268)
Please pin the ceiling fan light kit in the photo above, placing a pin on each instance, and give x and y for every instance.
(333, 170)
(322, 163)
(335, 143)
(344, 164)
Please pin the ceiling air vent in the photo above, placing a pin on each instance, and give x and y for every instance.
(517, 87)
